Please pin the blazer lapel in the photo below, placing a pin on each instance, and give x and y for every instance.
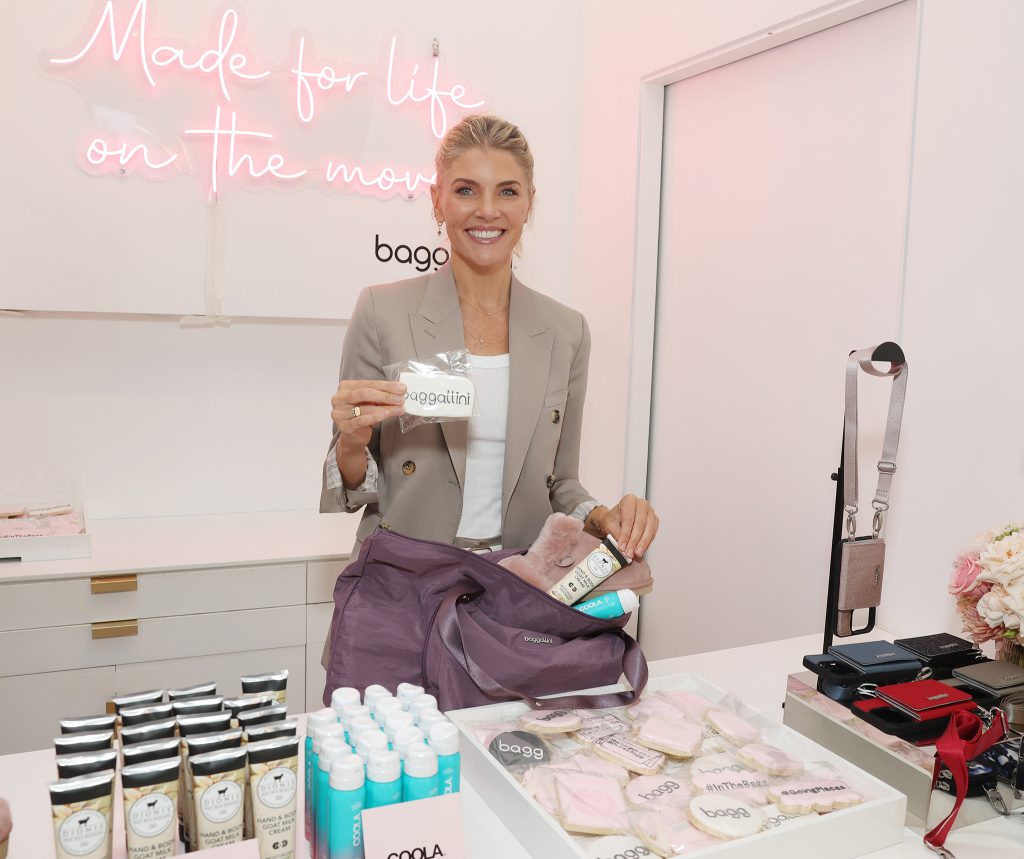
(529, 343)
(437, 327)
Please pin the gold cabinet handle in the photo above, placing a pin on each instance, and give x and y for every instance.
(114, 584)
(115, 628)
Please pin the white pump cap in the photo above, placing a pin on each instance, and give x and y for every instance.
(327, 732)
(394, 721)
(330, 751)
(420, 761)
(407, 693)
(421, 703)
(342, 696)
(347, 773)
(371, 741)
(630, 601)
(373, 694)
(444, 738)
(383, 766)
(385, 706)
(358, 725)
(429, 718)
(319, 719)
(350, 711)
(405, 737)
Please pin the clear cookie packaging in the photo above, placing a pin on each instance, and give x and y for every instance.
(439, 388)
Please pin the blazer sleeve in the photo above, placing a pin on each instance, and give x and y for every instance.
(568, 493)
(361, 358)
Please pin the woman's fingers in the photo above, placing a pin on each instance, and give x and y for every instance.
(627, 518)
(650, 530)
(362, 403)
(347, 420)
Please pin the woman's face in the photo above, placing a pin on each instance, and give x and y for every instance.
(484, 198)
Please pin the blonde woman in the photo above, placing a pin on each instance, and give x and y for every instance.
(491, 481)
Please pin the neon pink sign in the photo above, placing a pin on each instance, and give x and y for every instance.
(246, 126)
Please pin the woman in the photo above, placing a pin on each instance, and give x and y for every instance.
(495, 479)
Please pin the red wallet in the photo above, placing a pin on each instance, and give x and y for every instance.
(925, 700)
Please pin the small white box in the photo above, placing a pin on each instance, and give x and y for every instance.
(873, 825)
(60, 548)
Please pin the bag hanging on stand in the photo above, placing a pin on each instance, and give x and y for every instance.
(862, 562)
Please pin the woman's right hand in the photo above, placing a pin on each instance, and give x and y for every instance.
(359, 405)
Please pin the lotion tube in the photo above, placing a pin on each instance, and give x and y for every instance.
(611, 605)
(319, 719)
(82, 815)
(151, 808)
(383, 779)
(273, 788)
(444, 740)
(419, 775)
(331, 750)
(346, 801)
(219, 787)
(604, 560)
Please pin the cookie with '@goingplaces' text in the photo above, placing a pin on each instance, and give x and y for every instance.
(724, 817)
(804, 796)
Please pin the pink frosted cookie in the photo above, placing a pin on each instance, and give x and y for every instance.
(769, 759)
(550, 721)
(634, 757)
(657, 790)
(693, 705)
(724, 816)
(616, 846)
(813, 794)
(676, 738)
(486, 733)
(714, 764)
(668, 832)
(591, 804)
(736, 730)
(653, 706)
(539, 783)
(599, 766)
(600, 726)
(747, 785)
(775, 819)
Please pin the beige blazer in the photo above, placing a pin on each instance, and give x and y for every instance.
(421, 472)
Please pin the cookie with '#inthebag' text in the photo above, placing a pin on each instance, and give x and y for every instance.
(724, 817)
(813, 794)
(748, 785)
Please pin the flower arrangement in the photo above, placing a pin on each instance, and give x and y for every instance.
(988, 583)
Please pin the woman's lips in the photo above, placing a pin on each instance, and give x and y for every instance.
(485, 237)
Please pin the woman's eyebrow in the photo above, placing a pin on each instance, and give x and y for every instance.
(502, 184)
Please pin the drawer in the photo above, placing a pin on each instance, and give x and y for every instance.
(318, 621)
(58, 648)
(320, 579)
(225, 668)
(33, 705)
(316, 677)
(27, 605)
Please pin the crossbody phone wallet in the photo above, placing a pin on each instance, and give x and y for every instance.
(862, 561)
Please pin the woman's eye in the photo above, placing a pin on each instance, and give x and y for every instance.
(465, 189)
(508, 192)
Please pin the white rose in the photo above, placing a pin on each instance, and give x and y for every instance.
(1002, 607)
(1003, 562)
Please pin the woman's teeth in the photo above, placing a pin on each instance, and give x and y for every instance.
(485, 234)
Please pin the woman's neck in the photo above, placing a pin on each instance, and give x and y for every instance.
(487, 290)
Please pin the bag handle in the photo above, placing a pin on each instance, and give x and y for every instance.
(964, 739)
(634, 665)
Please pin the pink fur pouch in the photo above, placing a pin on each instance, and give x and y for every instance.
(560, 546)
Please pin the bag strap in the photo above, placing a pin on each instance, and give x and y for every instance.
(887, 464)
(964, 739)
(634, 665)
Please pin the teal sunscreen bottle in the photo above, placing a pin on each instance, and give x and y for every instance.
(342, 696)
(405, 737)
(358, 725)
(319, 719)
(383, 779)
(345, 805)
(371, 741)
(419, 773)
(407, 693)
(372, 694)
(331, 731)
(331, 750)
(429, 718)
(383, 707)
(348, 713)
(394, 721)
(610, 605)
(444, 740)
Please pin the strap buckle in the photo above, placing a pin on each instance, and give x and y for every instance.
(942, 851)
(886, 466)
(995, 799)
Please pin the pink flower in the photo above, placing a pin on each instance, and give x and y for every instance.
(974, 624)
(965, 571)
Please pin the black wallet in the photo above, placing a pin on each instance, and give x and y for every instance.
(847, 666)
(942, 652)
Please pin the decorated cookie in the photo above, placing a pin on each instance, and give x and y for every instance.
(668, 832)
(677, 738)
(768, 759)
(735, 729)
(724, 817)
(775, 819)
(747, 785)
(591, 804)
(539, 783)
(550, 721)
(617, 847)
(600, 766)
(693, 705)
(653, 706)
(813, 794)
(600, 726)
(656, 790)
(623, 751)
(715, 764)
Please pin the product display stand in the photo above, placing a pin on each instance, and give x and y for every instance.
(891, 353)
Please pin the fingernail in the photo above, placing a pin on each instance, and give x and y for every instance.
(396, 398)
(639, 554)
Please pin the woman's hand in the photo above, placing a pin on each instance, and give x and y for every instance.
(633, 523)
(359, 405)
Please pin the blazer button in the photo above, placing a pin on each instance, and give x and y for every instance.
(556, 416)
(408, 467)
(551, 481)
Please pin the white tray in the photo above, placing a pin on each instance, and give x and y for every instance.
(873, 825)
(66, 547)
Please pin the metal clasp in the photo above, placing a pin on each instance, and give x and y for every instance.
(876, 524)
(995, 799)
(942, 851)
(868, 690)
(851, 523)
(885, 466)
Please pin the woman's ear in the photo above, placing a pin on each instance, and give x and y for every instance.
(435, 207)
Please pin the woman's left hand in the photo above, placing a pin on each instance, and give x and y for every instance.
(633, 523)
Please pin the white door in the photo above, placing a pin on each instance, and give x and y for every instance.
(784, 194)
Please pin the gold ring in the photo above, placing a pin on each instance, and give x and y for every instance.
(355, 411)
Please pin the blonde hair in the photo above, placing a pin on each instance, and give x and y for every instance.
(484, 131)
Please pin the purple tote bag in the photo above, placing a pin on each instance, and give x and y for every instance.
(469, 631)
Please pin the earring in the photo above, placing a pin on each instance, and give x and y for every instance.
(439, 223)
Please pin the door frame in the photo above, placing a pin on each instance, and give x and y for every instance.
(648, 203)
